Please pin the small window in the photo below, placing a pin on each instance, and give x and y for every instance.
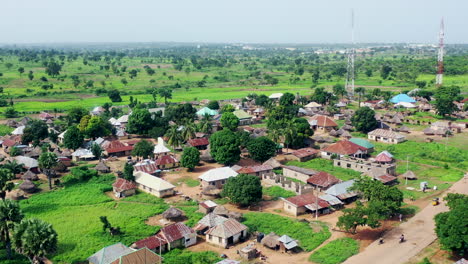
(289, 207)
(210, 237)
(220, 240)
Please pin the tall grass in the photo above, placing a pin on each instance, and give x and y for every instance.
(336, 251)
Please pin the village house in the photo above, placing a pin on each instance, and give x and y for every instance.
(160, 148)
(116, 148)
(259, 113)
(123, 188)
(147, 166)
(300, 204)
(176, 235)
(207, 206)
(364, 165)
(257, 170)
(206, 111)
(45, 116)
(344, 148)
(322, 123)
(244, 118)
(313, 106)
(381, 176)
(18, 131)
(153, 185)
(217, 177)
(208, 221)
(199, 143)
(98, 110)
(363, 143)
(298, 173)
(322, 180)
(82, 154)
(342, 191)
(384, 157)
(109, 254)
(227, 233)
(167, 162)
(386, 136)
(140, 256)
(275, 97)
(123, 120)
(304, 154)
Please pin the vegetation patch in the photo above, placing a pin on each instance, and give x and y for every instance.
(302, 231)
(179, 256)
(336, 251)
(276, 192)
(74, 212)
(327, 166)
(5, 130)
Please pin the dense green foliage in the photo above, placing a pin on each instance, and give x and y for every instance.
(190, 158)
(143, 148)
(225, 147)
(261, 149)
(139, 122)
(73, 138)
(309, 238)
(364, 120)
(452, 226)
(445, 96)
(243, 189)
(35, 131)
(335, 252)
(179, 256)
(229, 121)
(276, 192)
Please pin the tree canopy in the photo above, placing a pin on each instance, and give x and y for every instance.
(243, 189)
(213, 105)
(364, 120)
(287, 99)
(73, 138)
(190, 158)
(261, 149)
(143, 149)
(35, 131)
(225, 147)
(445, 96)
(140, 122)
(114, 95)
(229, 121)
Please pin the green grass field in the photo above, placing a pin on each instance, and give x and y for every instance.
(275, 192)
(335, 252)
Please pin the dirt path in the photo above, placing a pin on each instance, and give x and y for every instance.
(419, 232)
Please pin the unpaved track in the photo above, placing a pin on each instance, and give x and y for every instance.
(419, 232)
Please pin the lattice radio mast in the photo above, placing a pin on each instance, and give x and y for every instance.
(349, 86)
(440, 55)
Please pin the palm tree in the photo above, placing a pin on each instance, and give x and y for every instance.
(360, 91)
(5, 182)
(275, 134)
(34, 239)
(10, 214)
(174, 136)
(205, 125)
(189, 131)
(289, 132)
(47, 161)
(13, 166)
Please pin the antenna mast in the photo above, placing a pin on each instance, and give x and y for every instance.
(440, 55)
(349, 86)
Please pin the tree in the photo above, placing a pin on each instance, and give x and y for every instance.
(10, 214)
(165, 93)
(10, 112)
(188, 131)
(421, 84)
(180, 113)
(243, 189)
(128, 172)
(174, 136)
(96, 150)
(227, 108)
(385, 71)
(8, 65)
(34, 239)
(287, 99)
(139, 122)
(15, 151)
(53, 69)
(262, 100)
(321, 96)
(190, 158)
(229, 121)
(360, 92)
(124, 81)
(451, 226)
(21, 70)
(73, 138)
(48, 161)
(75, 114)
(261, 149)
(225, 147)
(445, 96)
(107, 225)
(213, 105)
(133, 73)
(364, 120)
(339, 90)
(205, 125)
(6, 176)
(143, 149)
(97, 127)
(114, 95)
(35, 131)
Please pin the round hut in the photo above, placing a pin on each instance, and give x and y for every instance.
(30, 176)
(333, 133)
(221, 210)
(173, 214)
(271, 241)
(409, 175)
(102, 167)
(28, 186)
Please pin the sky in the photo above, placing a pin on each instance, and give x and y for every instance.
(233, 21)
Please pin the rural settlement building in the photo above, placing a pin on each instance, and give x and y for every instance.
(323, 123)
(322, 180)
(304, 154)
(169, 237)
(386, 136)
(299, 204)
(344, 148)
(109, 254)
(153, 185)
(123, 188)
(226, 233)
(217, 177)
(298, 173)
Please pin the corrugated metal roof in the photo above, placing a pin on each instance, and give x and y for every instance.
(218, 174)
(110, 253)
(227, 229)
(385, 133)
(151, 181)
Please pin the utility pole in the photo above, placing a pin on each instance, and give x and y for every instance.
(316, 204)
(407, 168)
(440, 55)
(349, 85)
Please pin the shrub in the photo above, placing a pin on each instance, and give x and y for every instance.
(336, 251)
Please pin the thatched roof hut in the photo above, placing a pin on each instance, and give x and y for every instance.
(66, 153)
(409, 175)
(333, 133)
(271, 241)
(173, 214)
(28, 186)
(221, 210)
(206, 155)
(404, 129)
(102, 167)
(211, 191)
(272, 162)
(347, 127)
(346, 134)
(29, 175)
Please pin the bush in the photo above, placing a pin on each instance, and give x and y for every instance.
(80, 174)
(302, 231)
(336, 251)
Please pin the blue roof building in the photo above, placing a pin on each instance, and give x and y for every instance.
(402, 98)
